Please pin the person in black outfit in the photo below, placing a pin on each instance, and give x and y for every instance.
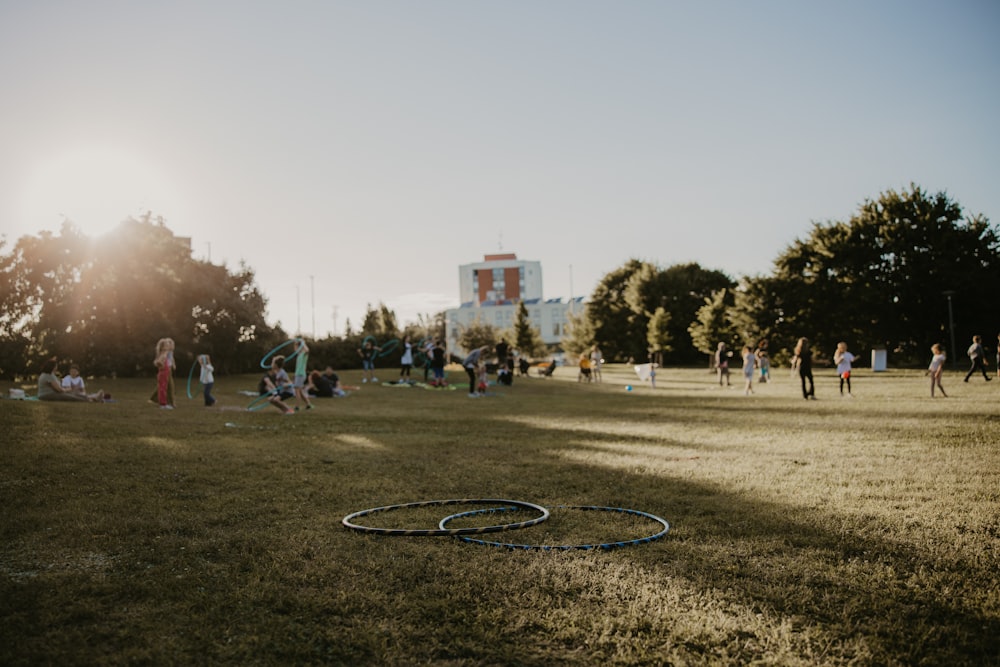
(502, 349)
(804, 360)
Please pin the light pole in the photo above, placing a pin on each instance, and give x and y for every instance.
(951, 326)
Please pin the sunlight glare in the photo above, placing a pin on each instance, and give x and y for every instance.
(93, 187)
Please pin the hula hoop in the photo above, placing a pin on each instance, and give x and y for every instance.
(514, 504)
(191, 375)
(388, 348)
(263, 362)
(566, 547)
(258, 403)
(420, 359)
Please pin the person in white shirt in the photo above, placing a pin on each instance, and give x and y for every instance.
(73, 383)
(936, 369)
(843, 359)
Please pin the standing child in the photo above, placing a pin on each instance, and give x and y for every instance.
(936, 369)
(367, 354)
(207, 379)
(164, 372)
(406, 363)
(438, 357)
(843, 359)
(301, 373)
(482, 379)
(749, 360)
(722, 363)
(763, 360)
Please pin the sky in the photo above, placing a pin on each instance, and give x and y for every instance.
(357, 153)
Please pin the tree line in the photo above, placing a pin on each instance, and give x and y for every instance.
(885, 278)
(103, 303)
(905, 271)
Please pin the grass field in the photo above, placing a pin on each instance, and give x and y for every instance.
(859, 531)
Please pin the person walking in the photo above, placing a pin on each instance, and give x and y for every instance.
(978, 357)
(936, 369)
(803, 360)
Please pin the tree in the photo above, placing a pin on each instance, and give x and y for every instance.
(712, 324)
(527, 338)
(658, 335)
(879, 279)
(477, 334)
(624, 302)
(104, 305)
(580, 334)
(380, 323)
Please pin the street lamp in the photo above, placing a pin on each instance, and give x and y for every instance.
(951, 326)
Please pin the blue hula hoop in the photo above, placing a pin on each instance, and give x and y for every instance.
(191, 375)
(347, 521)
(565, 547)
(265, 364)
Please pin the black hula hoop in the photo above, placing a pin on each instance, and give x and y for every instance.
(566, 547)
(507, 504)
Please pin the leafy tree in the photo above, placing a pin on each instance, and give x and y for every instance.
(611, 315)
(880, 278)
(380, 323)
(658, 334)
(712, 324)
(476, 334)
(580, 333)
(527, 338)
(104, 305)
(624, 302)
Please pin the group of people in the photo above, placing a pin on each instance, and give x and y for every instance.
(753, 358)
(434, 354)
(69, 388)
(302, 386)
(279, 387)
(802, 363)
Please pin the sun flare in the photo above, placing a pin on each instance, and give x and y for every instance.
(95, 187)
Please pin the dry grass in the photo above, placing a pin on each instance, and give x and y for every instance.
(836, 532)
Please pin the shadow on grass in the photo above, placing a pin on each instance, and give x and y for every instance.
(231, 540)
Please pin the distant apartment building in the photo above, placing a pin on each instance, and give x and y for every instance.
(491, 291)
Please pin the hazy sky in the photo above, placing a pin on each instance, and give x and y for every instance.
(359, 152)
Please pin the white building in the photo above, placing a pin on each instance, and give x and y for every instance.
(491, 292)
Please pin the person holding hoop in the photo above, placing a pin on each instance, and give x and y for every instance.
(275, 385)
(369, 350)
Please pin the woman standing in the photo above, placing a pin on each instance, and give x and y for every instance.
(804, 361)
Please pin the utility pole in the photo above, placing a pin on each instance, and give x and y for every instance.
(312, 297)
(953, 352)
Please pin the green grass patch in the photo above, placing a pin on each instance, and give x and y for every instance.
(836, 531)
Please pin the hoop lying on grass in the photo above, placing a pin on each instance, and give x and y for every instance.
(565, 547)
(505, 504)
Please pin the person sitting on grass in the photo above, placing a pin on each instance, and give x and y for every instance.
(51, 389)
(325, 385)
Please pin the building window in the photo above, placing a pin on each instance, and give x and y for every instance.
(555, 329)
